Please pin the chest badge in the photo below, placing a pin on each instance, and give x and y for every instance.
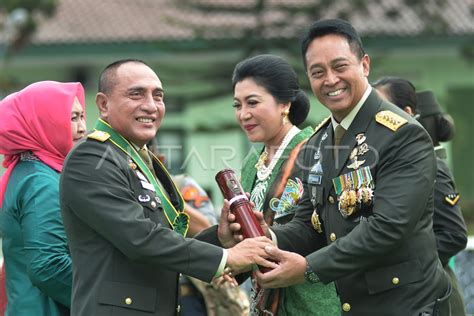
(360, 150)
(354, 190)
(132, 164)
(316, 222)
(144, 198)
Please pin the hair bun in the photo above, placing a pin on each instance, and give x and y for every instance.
(445, 128)
(299, 108)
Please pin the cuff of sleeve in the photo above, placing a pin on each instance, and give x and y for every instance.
(221, 267)
(273, 237)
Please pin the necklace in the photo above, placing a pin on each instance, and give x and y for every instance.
(263, 172)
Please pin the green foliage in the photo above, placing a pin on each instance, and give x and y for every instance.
(34, 9)
(46, 7)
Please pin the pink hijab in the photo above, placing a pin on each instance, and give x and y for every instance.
(38, 119)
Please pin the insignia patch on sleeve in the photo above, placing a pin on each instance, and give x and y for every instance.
(390, 120)
(452, 199)
(99, 135)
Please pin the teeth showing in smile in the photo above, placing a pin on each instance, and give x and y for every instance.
(144, 120)
(335, 93)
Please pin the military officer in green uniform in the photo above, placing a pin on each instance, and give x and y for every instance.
(123, 214)
(448, 222)
(365, 221)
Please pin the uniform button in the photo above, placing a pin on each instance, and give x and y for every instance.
(128, 301)
(331, 199)
(395, 280)
(346, 307)
(178, 309)
(153, 204)
(332, 236)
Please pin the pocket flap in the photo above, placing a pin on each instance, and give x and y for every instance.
(393, 276)
(128, 296)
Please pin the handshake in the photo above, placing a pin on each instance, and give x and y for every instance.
(246, 237)
(278, 268)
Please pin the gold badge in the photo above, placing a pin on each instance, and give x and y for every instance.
(347, 203)
(316, 222)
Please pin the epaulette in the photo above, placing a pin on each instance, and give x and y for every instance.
(321, 125)
(99, 135)
(390, 120)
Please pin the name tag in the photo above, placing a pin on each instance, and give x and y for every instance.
(314, 179)
(141, 176)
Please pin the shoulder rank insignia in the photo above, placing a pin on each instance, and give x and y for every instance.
(390, 120)
(452, 199)
(99, 135)
(321, 125)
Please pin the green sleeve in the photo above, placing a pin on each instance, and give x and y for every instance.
(48, 260)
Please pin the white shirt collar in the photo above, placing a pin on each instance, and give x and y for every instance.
(347, 121)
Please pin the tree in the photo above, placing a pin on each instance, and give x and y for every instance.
(18, 22)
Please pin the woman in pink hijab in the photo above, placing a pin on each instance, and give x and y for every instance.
(38, 127)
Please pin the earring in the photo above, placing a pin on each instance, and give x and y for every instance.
(285, 116)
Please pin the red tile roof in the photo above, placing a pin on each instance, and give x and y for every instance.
(159, 20)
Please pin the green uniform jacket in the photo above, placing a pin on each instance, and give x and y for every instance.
(449, 226)
(383, 257)
(448, 222)
(37, 262)
(126, 259)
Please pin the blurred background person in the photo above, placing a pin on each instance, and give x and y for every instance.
(198, 297)
(269, 107)
(448, 222)
(38, 127)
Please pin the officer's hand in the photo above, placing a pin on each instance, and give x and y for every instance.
(289, 271)
(247, 253)
(235, 227)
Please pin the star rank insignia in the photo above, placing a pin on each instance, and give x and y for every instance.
(390, 120)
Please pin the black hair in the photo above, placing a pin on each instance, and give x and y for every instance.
(439, 125)
(401, 92)
(107, 77)
(277, 76)
(332, 26)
